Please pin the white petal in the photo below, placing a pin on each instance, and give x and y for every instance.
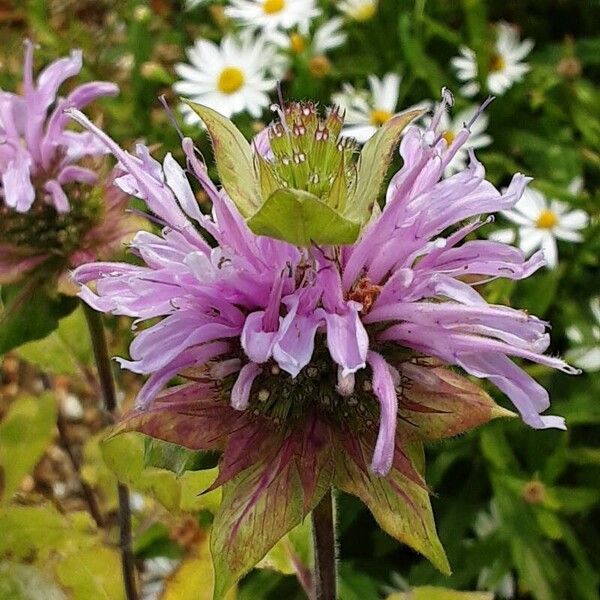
(550, 250)
(530, 239)
(576, 219)
(531, 204)
(506, 236)
(568, 235)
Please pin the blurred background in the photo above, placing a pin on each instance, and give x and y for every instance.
(518, 510)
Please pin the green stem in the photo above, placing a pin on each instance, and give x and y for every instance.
(324, 545)
(107, 385)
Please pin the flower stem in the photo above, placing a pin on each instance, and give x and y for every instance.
(324, 545)
(107, 385)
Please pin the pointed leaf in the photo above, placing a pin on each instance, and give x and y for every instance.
(190, 415)
(268, 180)
(300, 218)
(442, 404)
(260, 506)
(233, 157)
(400, 506)
(373, 164)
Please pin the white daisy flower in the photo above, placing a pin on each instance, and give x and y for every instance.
(269, 15)
(505, 68)
(358, 10)
(450, 128)
(231, 78)
(367, 111)
(540, 223)
(327, 36)
(586, 354)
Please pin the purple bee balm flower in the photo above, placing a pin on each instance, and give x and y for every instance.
(321, 365)
(50, 205)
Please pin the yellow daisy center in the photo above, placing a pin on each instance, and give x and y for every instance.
(297, 43)
(365, 12)
(271, 7)
(448, 136)
(547, 219)
(497, 63)
(231, 80)
(380, 116)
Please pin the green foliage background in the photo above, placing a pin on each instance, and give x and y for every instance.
(548, 127)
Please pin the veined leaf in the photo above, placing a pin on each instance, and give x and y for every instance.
(233, 157)
(400, 506)
(373, 164)
(300, 218)
(265, 502)
(443, 403)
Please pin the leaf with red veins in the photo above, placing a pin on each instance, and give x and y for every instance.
(267, 500)
(400, 506)
(436, 403)
(254, 442)
(314, 461)
(191, 415)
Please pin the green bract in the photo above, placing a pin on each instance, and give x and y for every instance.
(316, 188)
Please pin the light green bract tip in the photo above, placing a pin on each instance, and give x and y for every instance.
(316, 188)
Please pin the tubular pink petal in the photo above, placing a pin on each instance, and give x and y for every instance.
(240, 393)
(383, 386)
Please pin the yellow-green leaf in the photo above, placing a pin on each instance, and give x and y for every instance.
(124, 455)
(233, 157)
(65, 351)
(400, 506)
(194, 579)
(39, 531)
(373, 164)
(26, 582)
(94, 573)
(25, 433)
(293, 548)
(301, 218)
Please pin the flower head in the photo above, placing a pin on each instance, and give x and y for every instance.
(366, 112)
(302, 166)
(326, 37)
(540, 223)
(358, 10)
(38, 155)
(318, 365)
(268, 15)
(52, 208)
(234, 77)
(505, 65)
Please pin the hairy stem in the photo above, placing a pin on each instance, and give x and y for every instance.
(107, 385)
(324, 543)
